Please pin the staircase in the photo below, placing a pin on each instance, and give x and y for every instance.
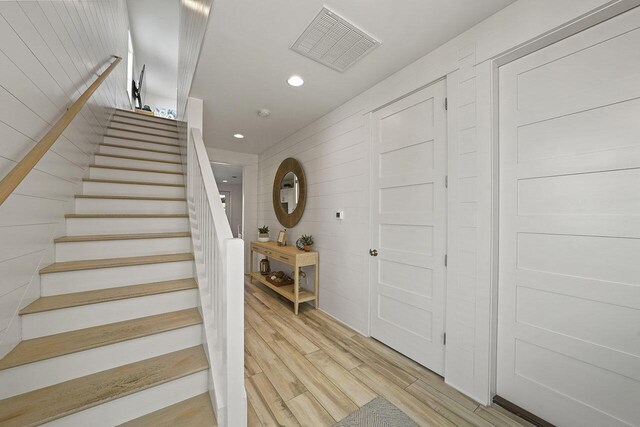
(116, 337)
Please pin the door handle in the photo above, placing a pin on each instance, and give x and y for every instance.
(373, 252)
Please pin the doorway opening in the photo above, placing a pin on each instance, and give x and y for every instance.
(229, 180)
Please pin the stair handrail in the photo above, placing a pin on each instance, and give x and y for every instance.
(219, 261)
(20, 171)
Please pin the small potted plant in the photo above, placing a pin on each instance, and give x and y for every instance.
(306, 240)
(264, 234)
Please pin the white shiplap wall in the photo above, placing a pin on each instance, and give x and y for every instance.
(335, 157)
(194, 15)
(333, 150)
(50, 52)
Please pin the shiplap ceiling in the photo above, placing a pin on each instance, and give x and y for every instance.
(154, 33)
(246, 60)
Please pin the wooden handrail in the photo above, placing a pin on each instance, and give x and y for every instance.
(19, 172)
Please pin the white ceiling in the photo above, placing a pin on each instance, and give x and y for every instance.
(226, 172)
(154, 33)
(246, 60)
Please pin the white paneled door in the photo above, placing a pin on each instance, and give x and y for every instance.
(569, 284)
(409, 199)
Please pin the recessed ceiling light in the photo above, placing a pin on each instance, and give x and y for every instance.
(224, 180)
(295, 81)
(238, 135)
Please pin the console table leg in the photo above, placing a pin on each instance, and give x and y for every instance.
(296, 287)
(317, 285)
(251, 266)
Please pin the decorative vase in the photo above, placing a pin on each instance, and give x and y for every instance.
(263, 237)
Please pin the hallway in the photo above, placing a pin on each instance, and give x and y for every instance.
(310, 370)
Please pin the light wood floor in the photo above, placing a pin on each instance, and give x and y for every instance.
(311, 370)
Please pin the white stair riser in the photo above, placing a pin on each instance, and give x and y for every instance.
(126, 206)
(173, 148)
(137, 164)
(126, 175)
(75, 251)
(86, 316)
(105, 149)
(144, 127)
(113, 189)
(138, 404)
(84, 226)
(141, 136)
(33, 376)
(135, 121)
(100, 278)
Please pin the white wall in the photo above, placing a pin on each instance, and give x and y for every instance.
(50, 52)
(334, 152)
(235, 203)
(154, 30)
(154, 101)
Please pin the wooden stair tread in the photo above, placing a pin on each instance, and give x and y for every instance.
(106, 144)
(116, 181)
(194, 412)
(135, 169)
(50, 346)
(120, 122)
(106, 237)
(142, 133)
(59, 400)
(92, 264)
(99, 196)
(143, 117)
(127, 138)
(141, 159)
(126, 216)
(98, 296)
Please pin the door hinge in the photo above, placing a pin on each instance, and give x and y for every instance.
(445, 259)
(446, 103)
(444, 339)
(446, 181)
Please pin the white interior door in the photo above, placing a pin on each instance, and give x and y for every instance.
(569, 283)
(409, 226)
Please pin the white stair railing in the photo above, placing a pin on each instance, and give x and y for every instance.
(220, 272)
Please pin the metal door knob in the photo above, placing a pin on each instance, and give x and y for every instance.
(373, 252)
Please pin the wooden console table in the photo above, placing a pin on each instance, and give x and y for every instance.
(292, 256)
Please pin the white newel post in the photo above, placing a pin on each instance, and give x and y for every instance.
(237, 408)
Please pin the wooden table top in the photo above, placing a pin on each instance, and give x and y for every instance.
(288, 250)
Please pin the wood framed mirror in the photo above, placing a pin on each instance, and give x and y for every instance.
(289, 192)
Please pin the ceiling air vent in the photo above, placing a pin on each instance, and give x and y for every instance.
(333, 41)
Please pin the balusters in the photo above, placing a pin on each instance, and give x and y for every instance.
(220, 290)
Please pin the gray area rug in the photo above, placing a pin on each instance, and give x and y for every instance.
(377, 413)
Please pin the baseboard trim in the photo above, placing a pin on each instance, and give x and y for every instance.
(521, 412)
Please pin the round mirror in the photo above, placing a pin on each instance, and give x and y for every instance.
(289, 192)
